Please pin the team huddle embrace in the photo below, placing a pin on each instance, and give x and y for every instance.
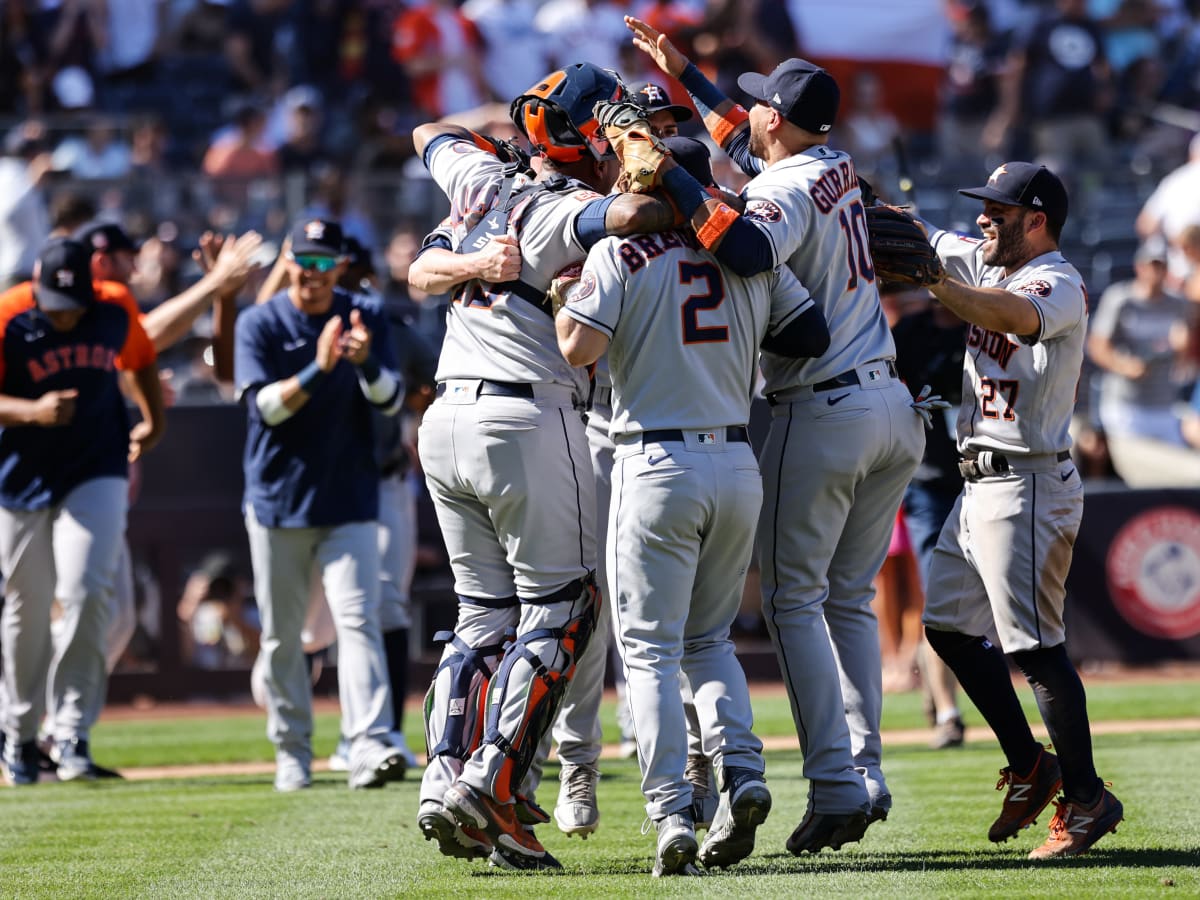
(593, 479)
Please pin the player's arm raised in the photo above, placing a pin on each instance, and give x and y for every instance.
(726, 121)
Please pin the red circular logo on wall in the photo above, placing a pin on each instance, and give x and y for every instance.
(1153, 570)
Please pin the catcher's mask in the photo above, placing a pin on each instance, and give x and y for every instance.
(556, 113)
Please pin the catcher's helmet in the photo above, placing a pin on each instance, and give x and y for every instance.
(556, 113)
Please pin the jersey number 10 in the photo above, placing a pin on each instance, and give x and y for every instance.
(854, 224)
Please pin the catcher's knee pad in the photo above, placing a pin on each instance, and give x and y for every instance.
(527, 689)
(456, 702)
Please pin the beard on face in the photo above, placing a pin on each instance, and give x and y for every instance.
(1008, 248)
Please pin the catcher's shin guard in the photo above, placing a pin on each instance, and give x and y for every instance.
(528, 688)
(456, 703)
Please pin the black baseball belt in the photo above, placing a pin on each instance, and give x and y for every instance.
(988, 463)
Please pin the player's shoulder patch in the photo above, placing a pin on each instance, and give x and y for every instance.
(1038, 287)
(763, 211)
(463, 146)
(584, 289)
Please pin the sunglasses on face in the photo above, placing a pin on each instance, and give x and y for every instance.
(314, 263)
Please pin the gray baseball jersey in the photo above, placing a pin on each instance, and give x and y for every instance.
(842, 446)
(685, 502)
(712, 341)
(1019, 391)
(1001, 561)
(810, 207)
(491, 333)
(505, 456)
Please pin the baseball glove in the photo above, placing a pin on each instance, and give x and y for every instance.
(900, 250)
(640, 152)
(567, 278)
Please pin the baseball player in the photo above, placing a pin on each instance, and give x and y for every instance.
(311, 363)
(1002, 559)
(577, 731)
(65, 450)
(663, 115)
(844, 439)
(505, 458)
(686, 493)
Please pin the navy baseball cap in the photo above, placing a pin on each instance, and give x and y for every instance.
(654, 98)
(1025, 184)
(106, 237)
(62, 276)
(803, 93)
(317, 237)
(693, 156)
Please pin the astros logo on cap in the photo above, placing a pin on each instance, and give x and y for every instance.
(995, 176)
(652, 92)
(314, 231)
(64, 278)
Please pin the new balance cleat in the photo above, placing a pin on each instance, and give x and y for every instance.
(436, 824)
(1075, 827)
(744, 805)
(576, 812)
(1027, 796)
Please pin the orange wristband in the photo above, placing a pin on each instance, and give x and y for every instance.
(719, 221)
(725, 125)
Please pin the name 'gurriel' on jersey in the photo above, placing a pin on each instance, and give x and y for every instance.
(831, 187)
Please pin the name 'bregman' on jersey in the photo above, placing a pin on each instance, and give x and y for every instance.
(685, 331)
(491, 333)
(1019, 390)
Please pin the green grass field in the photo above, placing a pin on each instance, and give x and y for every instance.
(234, 837)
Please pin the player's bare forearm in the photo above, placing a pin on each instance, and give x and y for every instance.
(992, 308)
(438, 270)
(17, 411)
(170, 321)
(147, 394)
(581, 345)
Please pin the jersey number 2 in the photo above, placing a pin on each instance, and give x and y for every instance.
(710, 297)
(854, 225)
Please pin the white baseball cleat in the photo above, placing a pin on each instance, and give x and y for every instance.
(677, 847)
(374, 763)
(291, 772)
(339, 760)
(576, 812)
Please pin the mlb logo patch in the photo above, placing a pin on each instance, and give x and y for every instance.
(874, 375)
(707, 437)
(458, 706)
